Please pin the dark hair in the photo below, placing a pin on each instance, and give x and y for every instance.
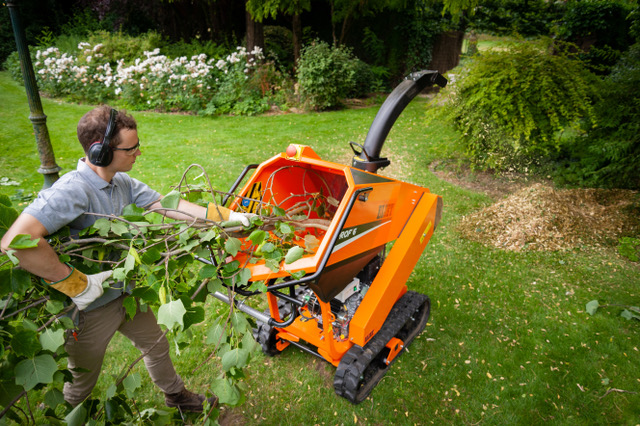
(93, 125)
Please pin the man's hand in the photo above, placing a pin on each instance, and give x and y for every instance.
(82, 289)
(218, 213)
(92, 291)
(241, 217)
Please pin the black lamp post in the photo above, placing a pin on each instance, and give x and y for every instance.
(48, 166)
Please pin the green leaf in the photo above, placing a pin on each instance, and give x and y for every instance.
(226, 392)
(293, 254)
(243, 276)
(146, 294)
(278, 211)
(77, 416)
(171, 313)
(257, 236)
(53, 398)
(5, 201)
(298, 274)
(285, 228)
(629, 315)
(30, 372)
(268, 247)
(25, 343)
(171, 200)
(54, 306)
(103, 226)
(239, 322)
(23, 241)
(234, 358)
(131, 383)
(249, 343)
(51, 340)
(133, 213)
(272, 264)
(214, 285)
(217, 334)
(8, 391)
(208, 271)
(150, 256)
(232, 245)
(592, 307)
(210, 235)
(14, 279)
(111, 391)
(8, 215)
(130, 306)
(194, 315)
(119, 228)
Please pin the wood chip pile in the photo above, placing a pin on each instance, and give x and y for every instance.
(541, 218)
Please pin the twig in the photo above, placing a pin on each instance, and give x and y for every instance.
(611, 390)
(9, 405)
(36, 303)
(6, 304)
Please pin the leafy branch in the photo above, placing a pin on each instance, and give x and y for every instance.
(160, 255)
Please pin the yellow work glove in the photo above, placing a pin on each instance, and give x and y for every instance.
(219, 214)
(82, 289)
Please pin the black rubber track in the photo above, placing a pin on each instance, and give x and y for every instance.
(362, 368)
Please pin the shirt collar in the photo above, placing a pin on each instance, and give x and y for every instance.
(90, 176)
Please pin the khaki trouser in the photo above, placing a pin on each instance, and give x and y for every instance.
(96, 329)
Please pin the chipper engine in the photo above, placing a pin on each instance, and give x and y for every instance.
(364, 235)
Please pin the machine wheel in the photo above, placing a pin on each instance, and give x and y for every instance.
(265, 334)
(361, 368)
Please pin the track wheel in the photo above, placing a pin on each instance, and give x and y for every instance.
(362, 368)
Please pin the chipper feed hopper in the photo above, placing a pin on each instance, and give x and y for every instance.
(363, 236)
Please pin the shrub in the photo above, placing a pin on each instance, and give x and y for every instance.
(154, 81)
(513, 105)
(327, 74)
(608, 154)
(599, 29)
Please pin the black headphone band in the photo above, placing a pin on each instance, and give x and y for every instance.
(100, 153)
(108, 134)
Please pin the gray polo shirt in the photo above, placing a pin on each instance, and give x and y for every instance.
(82, 191)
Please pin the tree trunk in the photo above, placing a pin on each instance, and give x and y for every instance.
(255, 33)
(446, 51)
(297, 38)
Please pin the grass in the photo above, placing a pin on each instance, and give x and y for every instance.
(508, 342)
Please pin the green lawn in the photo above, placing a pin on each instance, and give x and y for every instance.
(508, 342)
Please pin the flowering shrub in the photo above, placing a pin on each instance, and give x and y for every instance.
(197, 84)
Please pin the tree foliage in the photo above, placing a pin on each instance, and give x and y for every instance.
(608, 154)
(512, 105)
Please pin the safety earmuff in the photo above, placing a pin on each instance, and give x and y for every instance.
(100, 153)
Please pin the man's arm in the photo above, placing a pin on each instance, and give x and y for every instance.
(41, 260)
(190, 208)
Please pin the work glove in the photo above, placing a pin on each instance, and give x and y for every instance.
(82, 289)
(218, 214)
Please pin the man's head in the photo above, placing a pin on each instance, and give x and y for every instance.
(93, 125)
(124, 143)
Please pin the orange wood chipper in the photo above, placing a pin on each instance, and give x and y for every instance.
(364, 235)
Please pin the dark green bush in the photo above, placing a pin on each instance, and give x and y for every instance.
(509, 17)
(599, 29)
(608, 155)
(513, 105)
(327, 75)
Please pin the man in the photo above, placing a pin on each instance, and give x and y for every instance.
(100, 185)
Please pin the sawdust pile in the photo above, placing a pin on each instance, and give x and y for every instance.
(540, 218)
